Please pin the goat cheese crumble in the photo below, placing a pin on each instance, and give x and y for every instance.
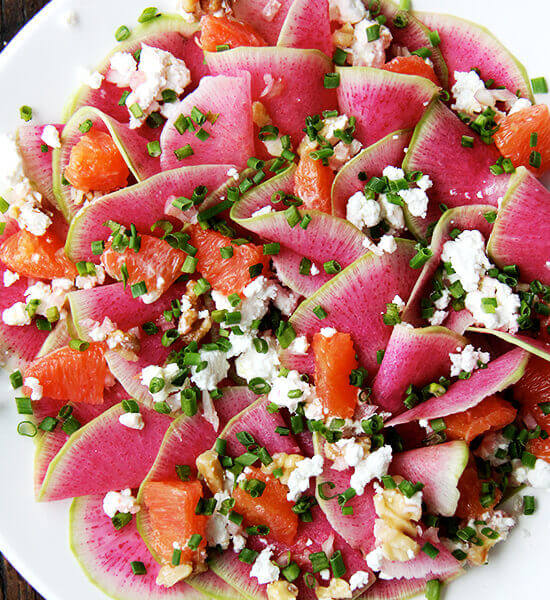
(467, 359)
(120, 502)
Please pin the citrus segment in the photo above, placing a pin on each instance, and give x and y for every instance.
(156, 263)
(42, 257)
(489, 415)
(227, 275)
(271, 509)
(334, 361)
(514, 138)
(411, 65)
(72, 375)
(171, 509)
(313, 183)
(96, 165)
(219, 31)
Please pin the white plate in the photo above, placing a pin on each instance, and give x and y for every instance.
(39, 69)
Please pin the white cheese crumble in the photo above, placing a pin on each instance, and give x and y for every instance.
(328, 332)
(132, 420)
(347, 11)
(34, 385)
(169, 393)
(93, 79)
(264, 569)
(359, 579)
(270, 10)
(467, 359)
(50, 136)
(120, 502)
(470, 264)
(10, 278)
(216, 369)
(365, 53)
(265, 210)
(298, 481)
(289, 391)
(538, 477)
(100, 331)
(386, 244)
(374, 466)
(16, 315)
(157, 71)
(468, 84)
(25, 204)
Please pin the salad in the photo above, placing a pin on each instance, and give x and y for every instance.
(275, 301)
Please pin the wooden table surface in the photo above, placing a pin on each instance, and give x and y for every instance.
(13, 15)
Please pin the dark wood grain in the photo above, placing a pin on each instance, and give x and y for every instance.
(14, 14)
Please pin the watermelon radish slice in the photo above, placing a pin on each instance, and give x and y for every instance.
(467, 393)
(104, 455)
(132, 146)
(355, 300)
(267, 24)
(382, 101)
(142, 204)
(307, 26)
(326, 238)
(443, 566)
(466, 45)
(105, 555)
(465, 217)
(414, 36)
(90, 307)
(439, 468)
(515, 240)
(260, 196)
(300, 91)
(49, 444)
(167, 32)
(394, 589)
(537, 347)
(406, 350)
(37, 164)
(19, 345)
(128, 372)
(231, 135)
(371, 161)
(460, 176)
(261, 425)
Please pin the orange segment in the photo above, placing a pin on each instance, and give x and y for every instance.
(271, 509)
(411, 65)
(156, 263)
(68, 374)
(469, 486)
(31, 255)
(531, 390)
(218, 31)
(96, 165)
(171, 507)
(227, 275)
(313, 183)
(489, 415)
(334, 361)
(514, 136)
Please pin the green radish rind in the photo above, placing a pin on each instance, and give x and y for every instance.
(535, 347)
(132, 452)
(141, 166)
(515, 238)
(489, 47)
(415, 36)
(164, 24)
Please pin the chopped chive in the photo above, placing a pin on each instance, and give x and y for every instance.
(380, 356)
(27, 429)
(434, 37)
(340, 57)
(430, 550)
(467, 141)
(533, 140)
(433, 589)
(184, 152)
(271, 249)
(136, 110)
(248, 556)
(535, 159)
(79, 345)
(98, 247)
(48, 424)
(539, 85)
(16, 379)
(148, 14)
(194, 541)
(306, 220)
(123, 98)
(122, 33)
(202, 135)
(189, 264)
(529, 505)
(4, 206)
(222, 47)
(292, 216)
(337, 564)
(70, 425)
(138, 568)
(181, 124)
(320, 312)
(332, 266)
(86, 125)
(373, 32)
(331, 80)
(24, 405)
(154, 149)
(25, 112)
